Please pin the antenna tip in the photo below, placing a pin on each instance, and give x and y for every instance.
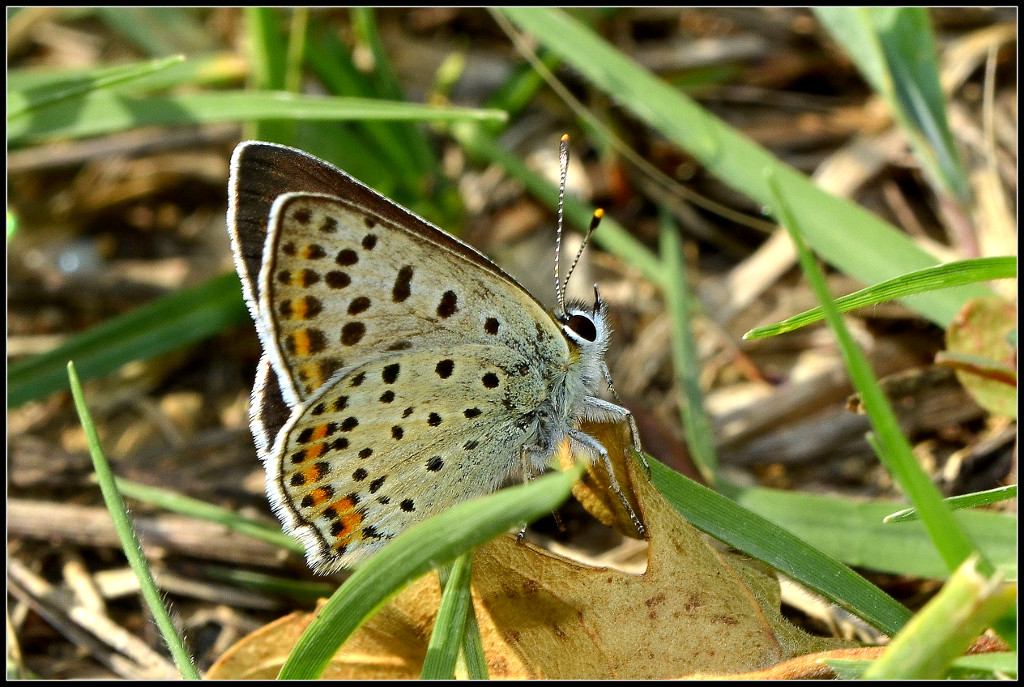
(596, 219)
(565, 138)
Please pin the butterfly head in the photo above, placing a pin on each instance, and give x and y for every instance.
(587, 331)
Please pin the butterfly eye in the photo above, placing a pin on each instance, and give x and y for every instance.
(583, 326)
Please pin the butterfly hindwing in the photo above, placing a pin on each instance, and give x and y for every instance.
(393, 441)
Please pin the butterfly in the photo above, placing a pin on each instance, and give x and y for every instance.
(402, 371)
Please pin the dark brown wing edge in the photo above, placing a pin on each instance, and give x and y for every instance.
(260, 172)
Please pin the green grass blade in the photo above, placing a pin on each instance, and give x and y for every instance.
(700, 437)
(997, 665)
(126, 533)
(946, 627)
(160, 327)
(951, 540)
(158, 31)
(519, 90)
(399, 161)
(978, 498)
(364, 24)
(865, 247)
(103, 112)
(203, 70)
(268, 54)
(22, 101)
(990, 666)
(1006, 626)
(186, 505)
(450, 625)
(853, 531)
(269, 60)
(473, 648)
(306, 592)
(942, 276)
(332, 62)
(298, 30)
(743, 529)
(895, 50)
(387, 85)
(412, 554)
(847, 669)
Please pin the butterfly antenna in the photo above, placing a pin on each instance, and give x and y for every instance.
(594, 221)
(563, 163)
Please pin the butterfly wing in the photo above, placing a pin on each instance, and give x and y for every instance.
(342, 284)
(393, 441)
(261, 172)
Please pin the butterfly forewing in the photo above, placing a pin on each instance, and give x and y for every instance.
(342, 285)
(262, 172)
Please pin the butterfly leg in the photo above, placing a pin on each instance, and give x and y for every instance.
(592, 444)
(604, 408)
